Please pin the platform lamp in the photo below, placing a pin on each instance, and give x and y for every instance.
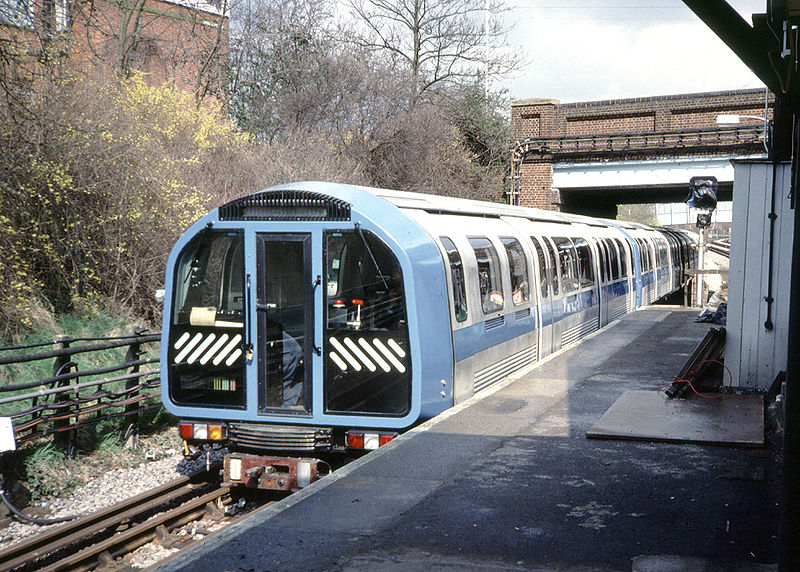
(702, 196)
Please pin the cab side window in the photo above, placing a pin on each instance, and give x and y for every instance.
(517, 269)
(457, 277)
(491, 289)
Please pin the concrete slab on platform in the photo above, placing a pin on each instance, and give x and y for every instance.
(652, 416)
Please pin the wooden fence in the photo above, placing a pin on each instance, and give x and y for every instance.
(73, 396)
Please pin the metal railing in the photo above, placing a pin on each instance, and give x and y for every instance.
(74, 397)
(674, 141)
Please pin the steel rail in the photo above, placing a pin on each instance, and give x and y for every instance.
(136, 536)
(106, 520)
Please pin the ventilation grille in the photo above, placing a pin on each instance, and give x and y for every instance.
(503, 368)
(286, 205)
(494, 323)
(618, 309)
(522, 314)
(279, 438)
(579, 331)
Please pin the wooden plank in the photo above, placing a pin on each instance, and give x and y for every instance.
(650, 416)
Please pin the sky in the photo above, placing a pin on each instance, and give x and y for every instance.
(588, 50)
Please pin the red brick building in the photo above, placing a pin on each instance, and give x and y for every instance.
(546, 131)
(185, 41)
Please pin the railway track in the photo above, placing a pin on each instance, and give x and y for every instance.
(96, 540)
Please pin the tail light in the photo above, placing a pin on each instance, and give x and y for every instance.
(366, 441)
(201, 431)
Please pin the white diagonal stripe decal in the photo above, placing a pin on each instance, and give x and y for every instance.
(227, 349)
(338, 361)
(374, 355)
(214, 349)
(182, 340)
(345, 354)
(185, 352)
(359, 354)
(201, 348)
(233, 356)
(396, 347)
(389, 355)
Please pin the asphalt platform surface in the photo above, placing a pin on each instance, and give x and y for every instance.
(509, 481)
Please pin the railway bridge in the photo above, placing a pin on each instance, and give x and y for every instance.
(589, 157)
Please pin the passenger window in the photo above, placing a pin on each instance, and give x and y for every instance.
(567, 259)
(457, 277)
(585, 262)
(542, 267)
(491, 289)
(517, 269)
(623, 258)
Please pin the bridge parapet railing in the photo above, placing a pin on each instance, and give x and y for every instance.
(712, 139)
(73, 397)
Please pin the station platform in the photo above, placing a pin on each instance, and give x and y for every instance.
(509, 481)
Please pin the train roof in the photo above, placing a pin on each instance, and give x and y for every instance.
(437, 204)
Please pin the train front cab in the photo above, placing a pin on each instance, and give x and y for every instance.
(293, 336)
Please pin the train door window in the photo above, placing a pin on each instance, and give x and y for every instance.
(366, 346)
(517, 270)
(285, 324)
(567, 260)
(457, 277)
(648, 253)
(551, 254)
(208, 306)
(491, 288)
(602, 253)
(613, 259)
(644, 255)
(623, 257)
(542, 267)
(585, 262)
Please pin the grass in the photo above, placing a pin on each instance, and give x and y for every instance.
(44, 467)
(47, 472)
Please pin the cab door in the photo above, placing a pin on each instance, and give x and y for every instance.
(285, 323)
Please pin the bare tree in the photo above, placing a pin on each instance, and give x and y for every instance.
(436, 41)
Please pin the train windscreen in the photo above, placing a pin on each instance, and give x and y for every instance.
(367, 357)
(206, 354)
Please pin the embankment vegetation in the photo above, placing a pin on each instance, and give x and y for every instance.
(100, 174)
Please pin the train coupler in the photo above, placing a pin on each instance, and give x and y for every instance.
(269, 473)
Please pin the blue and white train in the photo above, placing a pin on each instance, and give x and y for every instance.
(313, 317)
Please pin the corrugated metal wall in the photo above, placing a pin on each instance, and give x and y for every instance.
(754, 354)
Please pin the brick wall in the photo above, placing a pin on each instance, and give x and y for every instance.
(177, 40)
(536, 185)
(549, 118)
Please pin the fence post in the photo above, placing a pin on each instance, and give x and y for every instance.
(64, 439)
(132, 409)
